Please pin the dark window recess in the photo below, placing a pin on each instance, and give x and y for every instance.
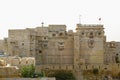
(117, 58)
(22, 44)
(40, 51)
(61, 43)
(82, 33)
(60, 34)
(45, 38)
(99, 33)
(53, 35)
(91, 34)
(65, 33)
(45, 45)
(86, 67)
(91, 42)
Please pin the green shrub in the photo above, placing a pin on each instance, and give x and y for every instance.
(61, 75)
(28, 71)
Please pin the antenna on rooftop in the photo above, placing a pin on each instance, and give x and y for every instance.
(42, 24)
(99, 20)
(79, 19)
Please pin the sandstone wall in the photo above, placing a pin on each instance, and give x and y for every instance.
(9, 72)
(17, 61)
(27, 79)
(114, 68)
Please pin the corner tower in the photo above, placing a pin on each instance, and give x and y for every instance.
(89, 44)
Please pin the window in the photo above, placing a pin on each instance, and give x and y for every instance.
(60, 34)
(53, 35)
(117, 58)
(91, 43)
(40, 51)
(99, 33)
(60, 45)
(22, 44)
(82, 33)
(91, 34)
(45, 45)
(45, 38)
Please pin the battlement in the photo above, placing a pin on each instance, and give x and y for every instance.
(89, 26)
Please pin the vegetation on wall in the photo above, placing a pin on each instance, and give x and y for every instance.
(60, 74)
(95, 71)
(27, 71)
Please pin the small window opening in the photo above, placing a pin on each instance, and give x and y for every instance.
(82, 33)
(40, 51)
(60, 34)
(22, 44)
(45, 38)
(53, 35)
(99, 33)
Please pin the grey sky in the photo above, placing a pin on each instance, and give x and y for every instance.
(20, 14)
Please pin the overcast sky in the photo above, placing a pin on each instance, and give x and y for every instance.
(21, 14)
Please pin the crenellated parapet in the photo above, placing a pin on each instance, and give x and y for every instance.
(90, 31)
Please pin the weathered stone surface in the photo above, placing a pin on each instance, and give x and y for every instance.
(56, 48)
(27, 79)
(9, 72)
(2, 62)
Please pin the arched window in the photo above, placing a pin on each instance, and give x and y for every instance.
(53, 35)
(117, 58)
(91, 35)
(60, 34)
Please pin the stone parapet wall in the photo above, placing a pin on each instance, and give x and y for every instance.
(17, 61)
(110, 67)
(27, 79)
(9, 72)
(54, 67)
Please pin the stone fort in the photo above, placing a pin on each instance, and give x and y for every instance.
(53, 45)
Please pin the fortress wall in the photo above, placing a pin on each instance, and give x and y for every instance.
(114, 68)
(44, 78)
(28, 61)
(17, 61)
